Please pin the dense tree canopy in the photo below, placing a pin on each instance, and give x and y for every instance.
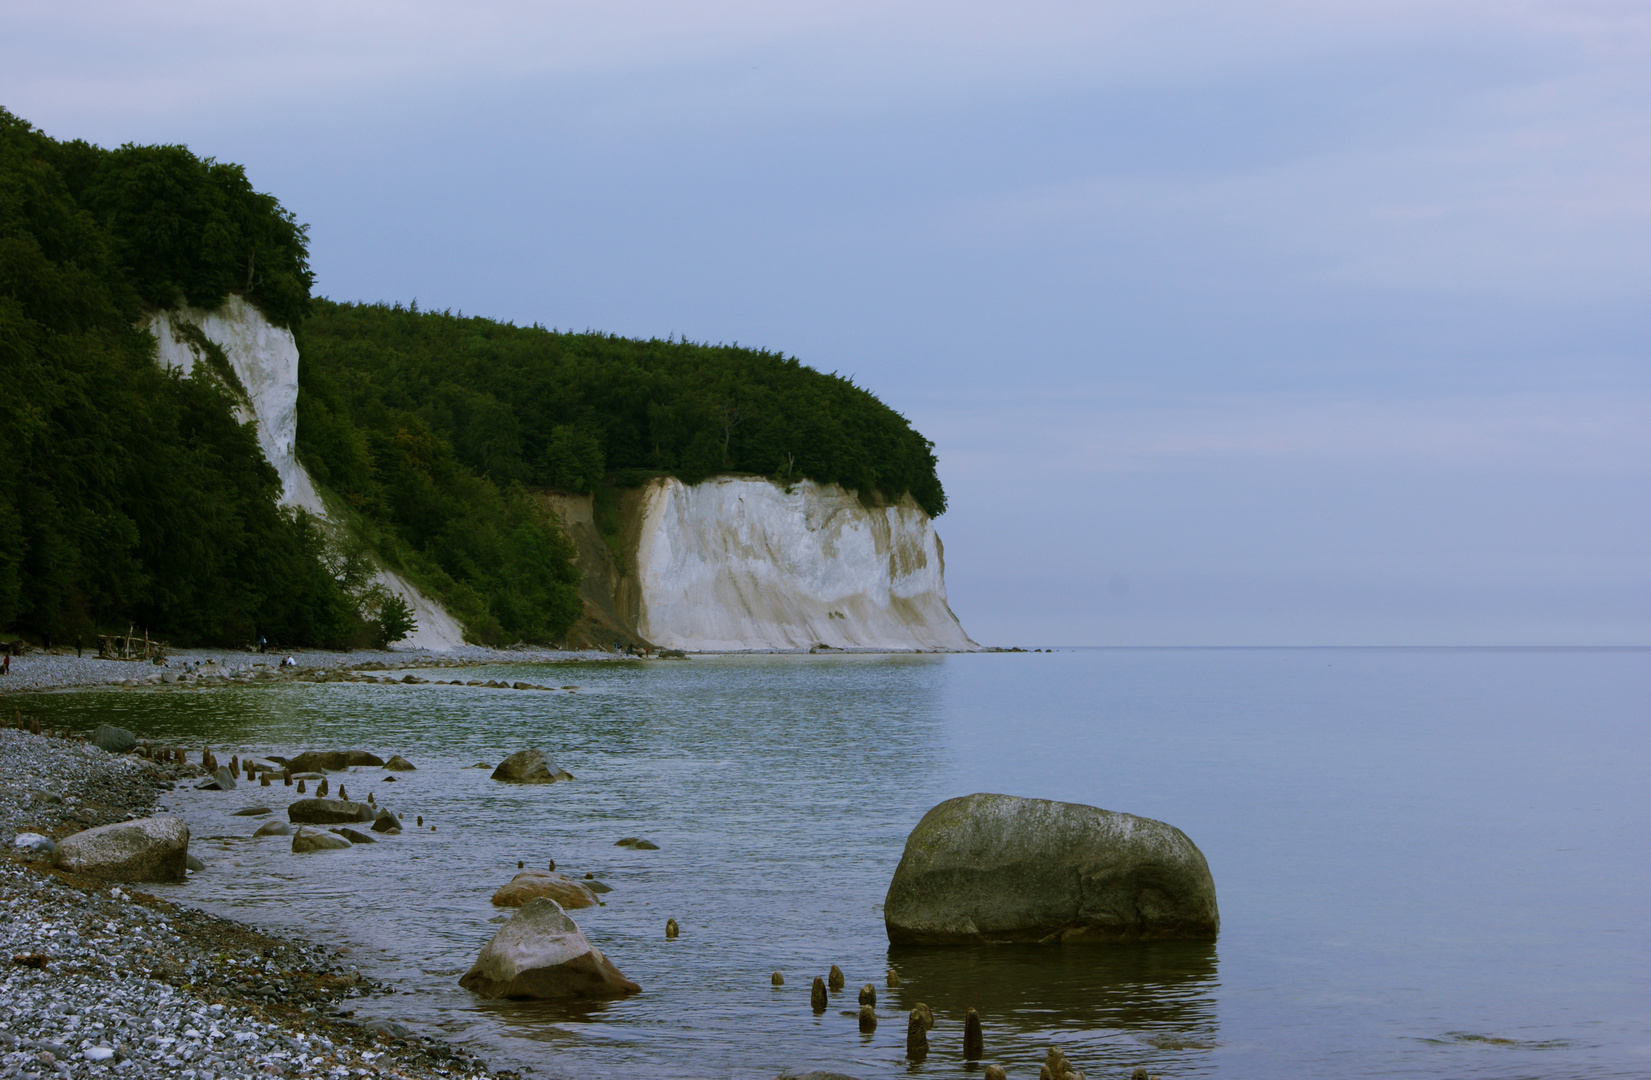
(524, 405)
(129, 495)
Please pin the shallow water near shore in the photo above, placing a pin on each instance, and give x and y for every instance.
(1430, 863)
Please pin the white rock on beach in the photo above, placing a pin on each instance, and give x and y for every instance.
(541, 953)
(148, 849)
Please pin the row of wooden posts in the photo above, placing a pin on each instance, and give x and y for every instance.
(917, 1024)
(129, 646)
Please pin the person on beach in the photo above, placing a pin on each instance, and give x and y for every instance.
(5, 665)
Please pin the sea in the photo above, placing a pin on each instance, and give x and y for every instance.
(1429, 862)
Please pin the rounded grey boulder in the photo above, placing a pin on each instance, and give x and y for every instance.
(541, 953)
(113, 739)
(148, 849)
(529, 767)
(996, 868)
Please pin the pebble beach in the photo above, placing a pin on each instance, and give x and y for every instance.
(100, 979)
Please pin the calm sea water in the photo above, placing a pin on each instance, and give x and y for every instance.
(1430, 863)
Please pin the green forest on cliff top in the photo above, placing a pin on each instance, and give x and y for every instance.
(129, 495)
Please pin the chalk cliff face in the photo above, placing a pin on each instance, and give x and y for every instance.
(730, 564)
(741, 563)
(264, 358)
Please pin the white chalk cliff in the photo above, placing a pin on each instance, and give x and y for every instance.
(744, 563)
(264, 358)
(735, 563)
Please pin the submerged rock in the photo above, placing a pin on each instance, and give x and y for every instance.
(353, 836)
(311, 840)
(529, 767)
(222, 780)
(996, 868)
(332, 760)
(386, 822)
(329, 812)
(252, 811)
(274, 828)
(541, 953)
(400, 764)
(525, 886)
(148, 849)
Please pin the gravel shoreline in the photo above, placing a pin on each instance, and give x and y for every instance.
(101, 980)
(61, 669)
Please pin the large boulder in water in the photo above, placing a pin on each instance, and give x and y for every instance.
(996, 868)
(529, 767)
(113, 739)
(332, 760)
(569, 892)
(148, 849)
(329, 812)
(540, 953)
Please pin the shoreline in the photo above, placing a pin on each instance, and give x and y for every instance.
(40, 670)
(60, 669)
(102, 979)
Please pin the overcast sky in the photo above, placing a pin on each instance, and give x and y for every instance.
(1233, 323)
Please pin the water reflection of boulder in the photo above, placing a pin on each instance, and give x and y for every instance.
(1104, 1003)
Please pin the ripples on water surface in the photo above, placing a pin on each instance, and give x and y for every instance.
(1430, 863)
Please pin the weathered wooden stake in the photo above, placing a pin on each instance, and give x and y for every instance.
(836, 977)
(868, 1018)
(671, 928)
(917, 1037)
(817, 995)
(974, 1040)
(777, 979)
(868, 994)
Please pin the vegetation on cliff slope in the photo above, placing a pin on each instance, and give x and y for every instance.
(129, 495)
(524, 405)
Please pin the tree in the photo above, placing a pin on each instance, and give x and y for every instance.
(395, 619)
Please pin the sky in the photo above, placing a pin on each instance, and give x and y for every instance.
(1243, 323)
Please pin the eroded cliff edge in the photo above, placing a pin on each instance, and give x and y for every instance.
(746, 563)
